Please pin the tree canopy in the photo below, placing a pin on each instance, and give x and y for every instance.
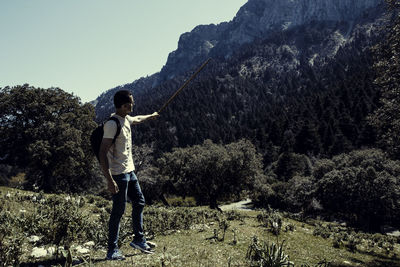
(386, 118)
(211, 171)
(46, 133)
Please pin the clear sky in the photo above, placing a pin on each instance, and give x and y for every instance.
(86, 47)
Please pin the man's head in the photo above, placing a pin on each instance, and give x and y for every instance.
(123, 101)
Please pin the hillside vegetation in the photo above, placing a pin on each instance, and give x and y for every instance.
(46, 229)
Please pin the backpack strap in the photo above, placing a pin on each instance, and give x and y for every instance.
(118, 128)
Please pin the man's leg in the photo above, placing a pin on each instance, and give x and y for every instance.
(118, 209)
(138, 202)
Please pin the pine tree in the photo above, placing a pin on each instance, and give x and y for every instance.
(387, 65)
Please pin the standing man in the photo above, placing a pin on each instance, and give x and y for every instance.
(117, 165)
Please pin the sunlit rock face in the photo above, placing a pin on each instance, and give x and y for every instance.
(256, 20)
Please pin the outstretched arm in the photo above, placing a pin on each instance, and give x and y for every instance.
(141, 118)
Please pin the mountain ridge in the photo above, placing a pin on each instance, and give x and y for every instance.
(308, 88)
(251, 22)
(256, 19)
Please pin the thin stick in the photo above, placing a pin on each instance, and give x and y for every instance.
(184, 85)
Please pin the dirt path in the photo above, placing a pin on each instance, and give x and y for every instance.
(241, 205)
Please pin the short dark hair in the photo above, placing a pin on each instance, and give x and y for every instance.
(122, 97)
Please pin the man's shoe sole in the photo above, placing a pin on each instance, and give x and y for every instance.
(151, 244)
(141, 249)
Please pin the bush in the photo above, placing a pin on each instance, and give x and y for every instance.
(272, 220)
(267, 255)
(322, 167)
(299, 193)
(290, 165)
(263, 193)
(166, 220)
(355, 187)
(182, 202)
(322, 231)
(6, 172)
(210, 171)
(10, 240)
(58, 220)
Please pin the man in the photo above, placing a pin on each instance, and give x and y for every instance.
(117, 165)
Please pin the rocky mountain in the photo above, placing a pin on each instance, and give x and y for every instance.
(256, 20)
(272, 66)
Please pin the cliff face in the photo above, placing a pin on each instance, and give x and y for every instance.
(255, 20)
(266, 13)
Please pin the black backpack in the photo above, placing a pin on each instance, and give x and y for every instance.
(97, 136)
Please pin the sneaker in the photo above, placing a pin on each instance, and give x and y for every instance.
(151, 244)
(142, 246)
(115, 255)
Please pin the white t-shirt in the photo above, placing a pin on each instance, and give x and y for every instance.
(120, 154)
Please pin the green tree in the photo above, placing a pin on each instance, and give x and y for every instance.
(46, 132)
(210, 171)
(152, 183)
(289, 165)
(307, 140)
(386, 119)
(363, 185)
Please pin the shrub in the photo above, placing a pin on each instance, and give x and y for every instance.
(182, 202)
(263, 192)
(166, 220)
(322, 167)
(7, 171)
(210, 171)
(11, 240)
(271, 220)
(352, 243)
(267, 255)
(322, 231)
(290, 165)
(299, 193)
(58, 220)
(364, 183)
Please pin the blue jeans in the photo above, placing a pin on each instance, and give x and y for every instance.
(128, 186)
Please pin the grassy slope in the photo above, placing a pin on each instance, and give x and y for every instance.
(193, 247)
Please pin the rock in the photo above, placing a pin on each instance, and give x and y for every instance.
(61, 250)
(89, 244)
(39, 252)
(81, 250)
(33, 238)
(254, 19)
(200, 227)
(394, 233)
(51, 251)
(390, 230)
